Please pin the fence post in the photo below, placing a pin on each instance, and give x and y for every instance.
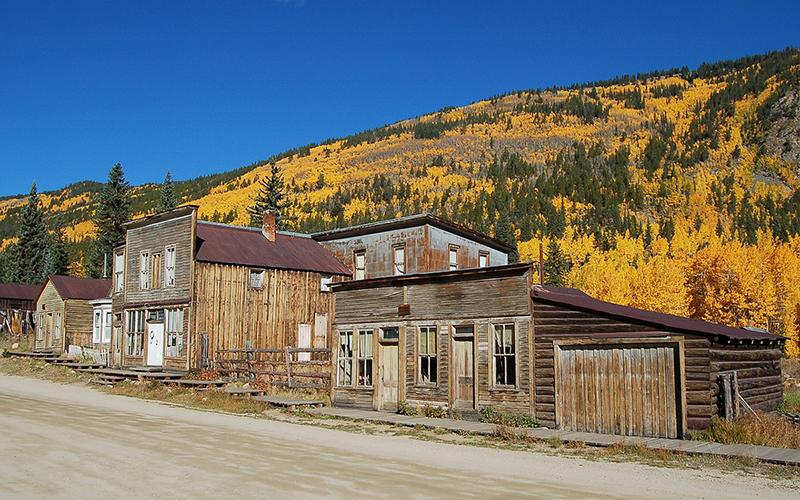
(735, 394)
(726, 394)
(204, 350)
(288, 366)
(249, 357)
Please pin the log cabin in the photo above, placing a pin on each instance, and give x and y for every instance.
(63, 311)
(17, 308)
(474, 338)
(185, 289)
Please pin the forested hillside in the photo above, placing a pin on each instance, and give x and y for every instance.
(675, 190)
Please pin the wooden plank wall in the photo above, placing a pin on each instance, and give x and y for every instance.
(233, 313)
(78, 323)
(50, 302)
(552, 322)
(758, 369)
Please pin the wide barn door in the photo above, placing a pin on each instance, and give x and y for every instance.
(618, 390)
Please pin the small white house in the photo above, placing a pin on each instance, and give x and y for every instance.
(102, 320)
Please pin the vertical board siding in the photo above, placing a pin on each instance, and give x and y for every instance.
(77, 322)
(233, 313)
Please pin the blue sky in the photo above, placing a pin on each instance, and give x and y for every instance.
(198, 87)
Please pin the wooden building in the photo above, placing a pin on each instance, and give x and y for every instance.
(468, 339)
(17, 308)
(185, 289)
(63, 311)
(410, 245)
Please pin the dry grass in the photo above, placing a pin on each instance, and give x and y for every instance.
(206, 400)
(761, 429)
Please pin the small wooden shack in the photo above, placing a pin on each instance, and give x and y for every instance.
(64, 314)
(469, 339)
(17, 307)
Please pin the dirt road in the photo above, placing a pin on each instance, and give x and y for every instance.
(70, 441)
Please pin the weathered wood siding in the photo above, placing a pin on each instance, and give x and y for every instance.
(553, 323)
(758, 369)
(49, 303)
(78, 323)
(232, 313)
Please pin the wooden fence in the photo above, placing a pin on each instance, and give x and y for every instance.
(291, 367)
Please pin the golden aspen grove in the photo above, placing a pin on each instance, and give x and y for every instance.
(674, 191)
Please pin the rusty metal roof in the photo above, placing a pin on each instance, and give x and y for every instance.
(578, 299)
(79, 288)
(16, 291)
(224, 244)
(413, 221)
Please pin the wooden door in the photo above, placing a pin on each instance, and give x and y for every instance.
(155, 344)
(387, 377)
(464, 368)
(629, 391)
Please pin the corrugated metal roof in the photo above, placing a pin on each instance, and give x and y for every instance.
(245, 246)
(576, 298)
(413, 221)
(17, 291)
(80, 288)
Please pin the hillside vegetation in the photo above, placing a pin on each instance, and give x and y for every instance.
(674, 191)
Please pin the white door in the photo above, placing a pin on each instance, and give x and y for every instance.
(155, 344)
(304, 342)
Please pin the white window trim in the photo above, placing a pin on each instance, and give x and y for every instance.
(260, 282)
(144, 270)
(169, 265)
(397, 269)
(119, 272)
(360, 272)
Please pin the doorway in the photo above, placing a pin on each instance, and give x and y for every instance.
(464, 373)
(155, 344)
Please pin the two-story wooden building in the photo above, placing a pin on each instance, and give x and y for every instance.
(184, 289)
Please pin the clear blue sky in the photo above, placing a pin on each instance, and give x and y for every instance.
(199, 87)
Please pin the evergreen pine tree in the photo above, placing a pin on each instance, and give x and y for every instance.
(555, 266)
(504, 232)
(57, 257)
(30, 254)
(167, 200)
(271, 196)
(112, 212)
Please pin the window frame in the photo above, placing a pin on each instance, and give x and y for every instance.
(97, 327)
(388, 340)
(360, 273)
(504, 355)
(106, 335)
(170, 257)
(144, 270)
(365, 364)
(452, 250)
(343, 361)
(425, 358)
(260, 273)
(134, 337)
(156, 263)
(119, 272)
(396, 269)
(174, 333)
(57, 325)
(483, 254)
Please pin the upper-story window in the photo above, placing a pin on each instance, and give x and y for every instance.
(169, 267)
(155, 271)
(453, 257)
(256, 278)
(119, 271)
(361, 264)
(483, 259)
(144, 270)
(399, 259)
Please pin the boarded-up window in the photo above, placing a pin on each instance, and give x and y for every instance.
(427, 355)
(169, 267)
(303, 341)
(365, 358)
(134, 340)
(505, 362)
(119, 271)
(453, 258)
(399, 256)
(361, 264)
(144, 271)
(175, 337)
(57, 326)
(346, 358)
(155, 270)
(483, 259)
(256, 278)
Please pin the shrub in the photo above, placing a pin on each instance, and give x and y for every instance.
(403, 408)
(6, 354)
(490, 415)
(434, 411)
(761, 430)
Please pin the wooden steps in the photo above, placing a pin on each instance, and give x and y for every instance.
(289, 403)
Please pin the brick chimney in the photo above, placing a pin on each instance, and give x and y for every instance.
(268, 225)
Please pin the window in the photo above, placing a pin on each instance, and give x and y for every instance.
(57, 326)
(119, 271)
(399, 255)
(427, 355)
(155, 270)
(464, 331)
(144, 270)
(256, 278)
(505, 365)
(453, 258)
(361, 264)
(325, 283)
(346, 358)
(483, 259)
(107, 328)
(40, 327)
(97, 330)
(390, 334)
(365, 358)
(169, 267)
(174, 331)
(134, 342)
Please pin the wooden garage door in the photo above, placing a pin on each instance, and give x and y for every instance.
(627, 390)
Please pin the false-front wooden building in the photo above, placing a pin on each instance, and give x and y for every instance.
(17, 307)
(409, 245)
(469, 339)
(64, 312)
(185, 289)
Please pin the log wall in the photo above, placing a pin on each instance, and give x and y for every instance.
(758, 368)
